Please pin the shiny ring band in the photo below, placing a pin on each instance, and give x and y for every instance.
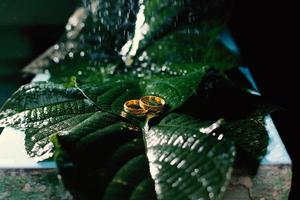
(147, 102)
(133, 107)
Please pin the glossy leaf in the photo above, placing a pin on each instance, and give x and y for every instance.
(104, 158)
(42, 109)
(174, 89)
(172, 44)
(186, 160)
(249, 134)
(93, 36)
(45, 108)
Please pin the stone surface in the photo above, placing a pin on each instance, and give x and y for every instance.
(272, 182)
(39, 184)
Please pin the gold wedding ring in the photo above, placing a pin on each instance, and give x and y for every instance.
(146, 104)
(133, 107)
(152, 103)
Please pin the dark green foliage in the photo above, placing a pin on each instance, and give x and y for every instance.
(104, 154)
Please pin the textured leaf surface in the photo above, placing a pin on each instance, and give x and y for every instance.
(147, 38)
(104, 158)
(42, 109)
(185, 163)
(187, 160)
(93, 37)
(249, 134)
(175, 90)
(45, 108)
(243, 113)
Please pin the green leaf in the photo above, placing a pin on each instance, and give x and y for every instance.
(120, 88)
(186, 161)
(169, 38)
(109, 25)
(42, 109)
(131, 181)
(104, 158)
(249, 134)
(99, 35)
(163, 17)
(243, 113)
(171, 67)
(45, 108)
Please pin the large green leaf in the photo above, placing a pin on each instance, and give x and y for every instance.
(42, 109)
(104, 158)
(243, 113)
(93, 36)
(249, 134)
(120, 88)
(187, 160)
(185, 36)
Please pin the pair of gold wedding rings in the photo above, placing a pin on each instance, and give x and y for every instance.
(146, 104)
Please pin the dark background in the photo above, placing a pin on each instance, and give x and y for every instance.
(27, 28)
(264, 30)
(266, 35)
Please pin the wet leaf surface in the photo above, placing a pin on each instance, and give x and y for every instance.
(187, 159)
(183, 161)
(104, 157)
